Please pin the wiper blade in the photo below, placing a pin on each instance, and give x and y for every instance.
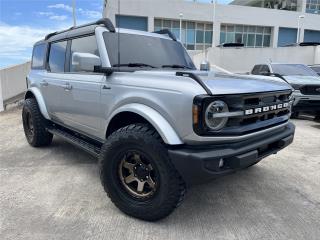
(176, 66)
(133, 65)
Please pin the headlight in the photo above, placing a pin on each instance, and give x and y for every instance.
(214, 115)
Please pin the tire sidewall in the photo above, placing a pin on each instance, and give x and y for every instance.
(155, 152)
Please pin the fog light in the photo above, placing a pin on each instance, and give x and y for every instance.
(221, 163)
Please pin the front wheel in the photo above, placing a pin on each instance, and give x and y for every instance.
(317, 117)
(138, 175)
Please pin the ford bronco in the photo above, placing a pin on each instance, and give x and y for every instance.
(157, 124)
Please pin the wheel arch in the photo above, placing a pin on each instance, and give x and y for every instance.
(35, 93)
(130, 113)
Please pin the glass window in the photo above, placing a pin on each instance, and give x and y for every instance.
(293, 70)
(238, 37)
(239, 28)
(200, 26)
(266, 40)
(200, 36)
(222, 37)
(251, 38)
(83, 45)
(157, 23)
(57, 56)
(175, 24)
(208, 37)
(190, 36)
(230, 37)
(166, 24)
(258, 40)
(38, 56)
(209, 27)
(156, 51)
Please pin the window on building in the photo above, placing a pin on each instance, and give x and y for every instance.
(57, 56)
(313, 6)
(250, 36)
(38, 56)
(194, 35)
(83, 45)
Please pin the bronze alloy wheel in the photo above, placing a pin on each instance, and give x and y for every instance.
(137, 175)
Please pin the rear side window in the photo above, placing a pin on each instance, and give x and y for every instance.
(38, 56)
(57, 56)
(256, 70)
(83, 45)
(265, 69)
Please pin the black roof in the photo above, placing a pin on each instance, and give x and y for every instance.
(78, 30)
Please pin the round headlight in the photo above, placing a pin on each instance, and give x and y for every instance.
(214, 120)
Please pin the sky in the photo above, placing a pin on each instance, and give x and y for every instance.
(24, 22)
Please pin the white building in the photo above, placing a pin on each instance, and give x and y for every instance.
(256, 23)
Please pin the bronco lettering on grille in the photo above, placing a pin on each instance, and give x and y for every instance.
(265, 109)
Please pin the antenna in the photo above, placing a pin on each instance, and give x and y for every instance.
(74, 12)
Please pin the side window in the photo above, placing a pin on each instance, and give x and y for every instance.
(256, 70)
(38, 56)
(83, 45)
(265, 69)
(57, 56)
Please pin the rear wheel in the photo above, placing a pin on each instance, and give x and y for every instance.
(34, 124)
(138, 175)
(317, 117)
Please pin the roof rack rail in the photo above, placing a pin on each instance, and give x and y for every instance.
(167, 32)
(104, 21)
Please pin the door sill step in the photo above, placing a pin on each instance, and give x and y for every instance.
(77, 141)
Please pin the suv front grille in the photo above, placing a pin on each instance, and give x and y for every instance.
(310, 90)
(245, 124)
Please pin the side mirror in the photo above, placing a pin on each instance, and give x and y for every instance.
(84, 62)
(204, 66)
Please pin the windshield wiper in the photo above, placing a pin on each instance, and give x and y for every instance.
(133, 65)
(176, 66)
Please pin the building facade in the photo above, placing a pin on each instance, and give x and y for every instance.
(255, 23)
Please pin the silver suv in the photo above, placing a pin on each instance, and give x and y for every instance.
(136, 101)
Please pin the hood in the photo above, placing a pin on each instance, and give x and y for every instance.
(220, 83)
(303, 80)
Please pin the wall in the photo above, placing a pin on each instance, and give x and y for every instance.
(243, 59)
(13, 82)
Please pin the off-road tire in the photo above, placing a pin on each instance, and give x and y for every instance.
(40, 136)
(171, 187)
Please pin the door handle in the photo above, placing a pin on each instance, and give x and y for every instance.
(44, 83)
(68, 87)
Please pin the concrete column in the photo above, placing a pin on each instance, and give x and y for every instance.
(216, 34)
(303, 6)
(275, 35)
(150, 24)
(301, 34)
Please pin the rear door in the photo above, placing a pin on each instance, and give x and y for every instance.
(82, 110)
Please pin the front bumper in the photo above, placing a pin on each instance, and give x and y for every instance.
(305, 103)
(198, 164)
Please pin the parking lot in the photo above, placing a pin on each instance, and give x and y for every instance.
(55, 193)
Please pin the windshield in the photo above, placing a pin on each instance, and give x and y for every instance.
(293, 70)
(146, 51)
